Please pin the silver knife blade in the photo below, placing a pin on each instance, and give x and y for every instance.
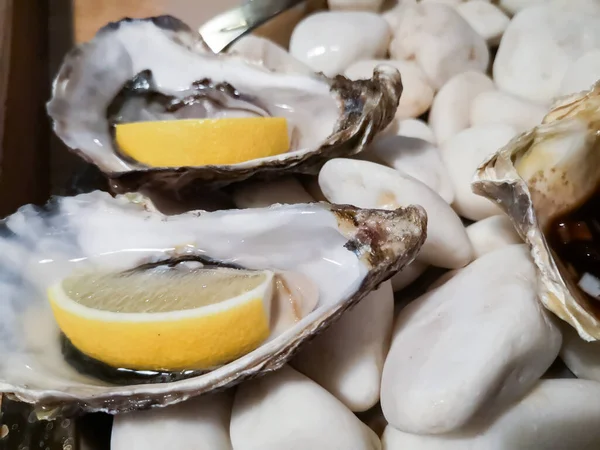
(226, 28)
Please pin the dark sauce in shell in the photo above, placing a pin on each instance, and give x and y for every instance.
(575, 239)
(87, 365)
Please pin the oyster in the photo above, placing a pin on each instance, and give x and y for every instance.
(159, 69)
(540, 177)
(345, 251)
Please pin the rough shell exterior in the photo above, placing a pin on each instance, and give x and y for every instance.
(365, 108)
(540, 175)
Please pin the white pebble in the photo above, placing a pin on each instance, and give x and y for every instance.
(263, 194)
(480, 340)
(581, 74)
(451, 108)
(287, 410)
(445, 2)
(417, 158)
(414, 128)
(493, 107)
(538, 47)
(454, 3)
(487, 19)
(417, 94)
(355, 5)
(462, 155)
(369, 185)
(407, 275)
(347, 358)
(514, 6)
(330, 42)
(491, 234)
(439, 40)
(200, 423)
(581, 357)
(392, 16)
(556, 415)
(268, 54)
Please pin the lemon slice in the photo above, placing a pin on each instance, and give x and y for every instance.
(199, 142)
(169, 319)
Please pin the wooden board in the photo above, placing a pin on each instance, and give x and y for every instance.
(24, 89)
(89, 15)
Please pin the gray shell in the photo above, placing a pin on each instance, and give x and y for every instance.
(94, 72)
(346, 251)
(540, 175)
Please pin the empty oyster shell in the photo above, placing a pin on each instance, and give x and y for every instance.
(344, 250)
(539, 177)
(159, 69)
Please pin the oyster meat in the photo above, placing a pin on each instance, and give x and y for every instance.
(547, 181)
(159, 69)
(344, 251)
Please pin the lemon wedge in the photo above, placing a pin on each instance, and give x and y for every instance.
(169, 319)
(200, 142)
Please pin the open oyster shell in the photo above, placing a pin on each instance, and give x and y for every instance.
(344, 250)
(158, 69)
(541, 175)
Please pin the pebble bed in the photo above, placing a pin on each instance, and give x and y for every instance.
(464, 365)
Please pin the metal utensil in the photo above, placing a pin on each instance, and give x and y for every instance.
(223, 30)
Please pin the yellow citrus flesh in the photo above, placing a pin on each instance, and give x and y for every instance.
(200, 142)
(150, 334)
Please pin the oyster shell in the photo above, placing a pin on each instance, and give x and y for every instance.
(159, 69)
(538, 177)
(344, 250)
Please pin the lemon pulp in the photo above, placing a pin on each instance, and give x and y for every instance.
(165, 319)
(200, 142)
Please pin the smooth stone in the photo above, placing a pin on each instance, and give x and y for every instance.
(462, 155)
(355, 5)
(392, 15)
(481, 340)
(451, 108)
(417, 158)
(493, 107)
(439, 40)
(330, 42)
(491, 234)
(287, 410)
(200, 423)
(262, 194)
(370, 185)
(539, 45)
(407, 275)
(581, 357)
(268, 54)
(347, 358)
(557, 414)
(485, 18)
(417, 94)
(581, 74)
(514, 6)
(444, 2)
(414, 128)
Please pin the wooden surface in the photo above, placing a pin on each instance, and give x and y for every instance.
(24, 88)
(89, 15)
